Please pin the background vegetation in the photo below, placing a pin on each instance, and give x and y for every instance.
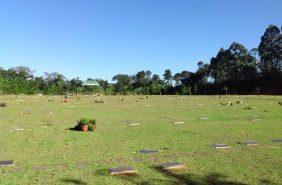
(233, 70)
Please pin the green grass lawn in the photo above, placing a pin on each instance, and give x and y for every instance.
(46, 152)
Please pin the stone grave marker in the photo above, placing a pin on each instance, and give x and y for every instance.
(7, 163)
(204, 118)
(172, 166)
(125, 121)
(277, 140)
(134, 124)
(122, 171)
(145, 151)
(250, 143)
(220, 146)
(16, 129)
(178, 122)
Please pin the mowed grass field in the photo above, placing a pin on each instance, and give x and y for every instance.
(46, 152)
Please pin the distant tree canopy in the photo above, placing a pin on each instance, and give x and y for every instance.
(232, 70)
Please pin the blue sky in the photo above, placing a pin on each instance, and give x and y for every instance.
(101, 38)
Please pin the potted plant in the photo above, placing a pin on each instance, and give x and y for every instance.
(83, 124)
(92, 125)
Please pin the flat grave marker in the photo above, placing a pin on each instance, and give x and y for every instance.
(81, 164)
(250, 143)
(178, 122)
(145, 151)
(16, 129)
(220, 146)
(135, 159)
(61, 166)
(122, 171)
(134, 124)
(125, 121)
(277, 140)
(7, 163)
(39, 168)
(204, 118)
(172, 166)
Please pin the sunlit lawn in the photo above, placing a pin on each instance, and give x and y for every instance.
(46, 152)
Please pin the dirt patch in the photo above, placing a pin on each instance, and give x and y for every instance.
(170, 156)
(40, 168)
(156, 159)
(61, 166)
(137, 159)
(102, 162)
(120, 160)
(81, 164)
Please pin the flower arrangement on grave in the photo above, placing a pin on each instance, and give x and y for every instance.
(99, 101)
(248, 108)
(228, 103)
(85, 124)
(3, 105)
(239, 102)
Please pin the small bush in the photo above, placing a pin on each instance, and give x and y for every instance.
(280, 103)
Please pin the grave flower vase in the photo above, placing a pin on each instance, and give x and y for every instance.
(84, 128)
(94, 127)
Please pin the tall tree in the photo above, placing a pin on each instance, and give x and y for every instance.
(177, 78)
(148, 74)
(167, 76)
(270, 50)
(233, 67)
(123, 84)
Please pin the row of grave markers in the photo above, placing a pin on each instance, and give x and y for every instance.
(170, 166)
(248, 143)
(129, 170)
(164, 166)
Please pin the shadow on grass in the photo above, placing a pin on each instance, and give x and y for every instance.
(133, 178)
(191, 179)
(176, 178)
(76, 128)
(267, 182)
(73, 181)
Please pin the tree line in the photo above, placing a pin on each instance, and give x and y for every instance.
(233, 70)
